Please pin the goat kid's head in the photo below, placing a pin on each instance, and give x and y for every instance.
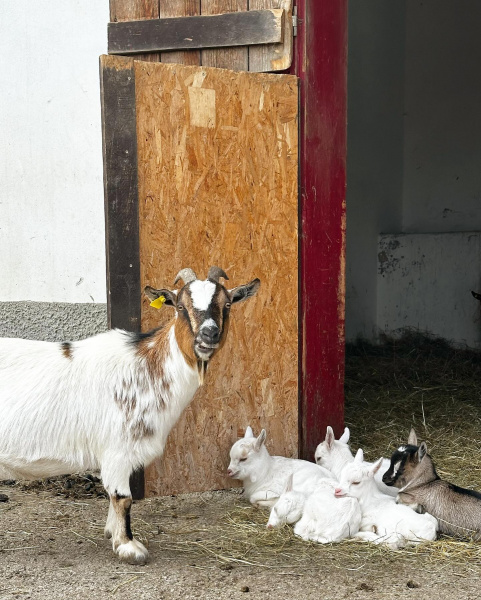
(203, 307)
(404, 462)
(330, 450)
(356, 477)
(247, 455)
(289, 507)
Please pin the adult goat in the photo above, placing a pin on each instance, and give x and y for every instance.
(109, 402)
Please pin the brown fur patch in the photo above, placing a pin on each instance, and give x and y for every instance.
(67, 350)
(122, 505)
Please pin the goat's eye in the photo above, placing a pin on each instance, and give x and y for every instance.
(180, 307)
(228, 305)
(355, 483)
(242, 459)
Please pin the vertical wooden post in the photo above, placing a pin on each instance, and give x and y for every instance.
(321, 65)
(119, 132)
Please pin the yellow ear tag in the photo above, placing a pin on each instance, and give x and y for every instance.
(157, 303)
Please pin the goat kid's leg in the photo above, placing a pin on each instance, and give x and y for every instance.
(118, 521)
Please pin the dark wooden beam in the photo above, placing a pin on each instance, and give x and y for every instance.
(119, 131)
(186, 33)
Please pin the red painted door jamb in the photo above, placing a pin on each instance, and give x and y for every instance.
(321, 64)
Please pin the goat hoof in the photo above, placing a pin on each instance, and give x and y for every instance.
(133, 552)
(107, 534)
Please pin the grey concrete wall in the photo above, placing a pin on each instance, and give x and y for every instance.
(375, 149)
(52, 322)
(442, 153)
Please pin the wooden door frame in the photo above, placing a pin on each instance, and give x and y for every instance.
(320, 62)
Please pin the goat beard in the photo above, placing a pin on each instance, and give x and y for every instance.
(201, 369)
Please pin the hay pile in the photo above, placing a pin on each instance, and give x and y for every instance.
(422, 382)
(415, 381)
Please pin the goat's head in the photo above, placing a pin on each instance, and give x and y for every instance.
(331, 450)
(357, 477)
(202, 311)
(404, 462)
(289, 507)
(247, 456)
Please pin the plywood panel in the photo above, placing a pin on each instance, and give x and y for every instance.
(218, 185)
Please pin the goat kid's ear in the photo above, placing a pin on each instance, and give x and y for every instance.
(329, 437)
(423, 450)
(359, 458)
(260, 440)
(152, 294)
(345, 436)
(243, 292)
(413, 438)
(289, 483)
(249, 433)
(376, 466)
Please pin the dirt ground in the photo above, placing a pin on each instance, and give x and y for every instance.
(215, 546)
(53, 547)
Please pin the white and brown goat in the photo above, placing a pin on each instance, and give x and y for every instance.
(109, 402)
(412, 470)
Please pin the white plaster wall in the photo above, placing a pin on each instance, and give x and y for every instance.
(51, 190)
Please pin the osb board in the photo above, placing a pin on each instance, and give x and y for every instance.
(217, 159)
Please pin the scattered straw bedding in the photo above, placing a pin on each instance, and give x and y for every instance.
(415, 381)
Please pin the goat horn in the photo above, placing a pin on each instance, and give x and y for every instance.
(215, 273)
(187, 275)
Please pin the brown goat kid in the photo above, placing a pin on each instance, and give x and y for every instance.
(412, 470)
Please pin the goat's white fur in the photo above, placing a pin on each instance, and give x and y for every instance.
(335, 455)
(327, 519)
(264, 476)
(319, 516)
(96, 404)
(383, 521)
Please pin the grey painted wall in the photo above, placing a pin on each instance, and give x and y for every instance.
(375, 149)
(442, 147)
(414, 152)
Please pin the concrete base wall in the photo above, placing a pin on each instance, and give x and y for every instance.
(425, 282)
(53, 322)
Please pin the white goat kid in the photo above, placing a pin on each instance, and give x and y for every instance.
(383, 521)
(264, 476)
(335, 455)
(319, 517)
(109, 402)
(327, 519)
(288, 509)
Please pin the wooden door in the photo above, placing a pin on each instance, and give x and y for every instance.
(217, 183)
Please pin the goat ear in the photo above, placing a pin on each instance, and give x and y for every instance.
(359, 458)
(152, 294)
(345, 436)
(289, 483)
(260, 440)
(243, 292)
(423, 450)
(329, 437)
(249, 433)
(376, 466)
(413, 438)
